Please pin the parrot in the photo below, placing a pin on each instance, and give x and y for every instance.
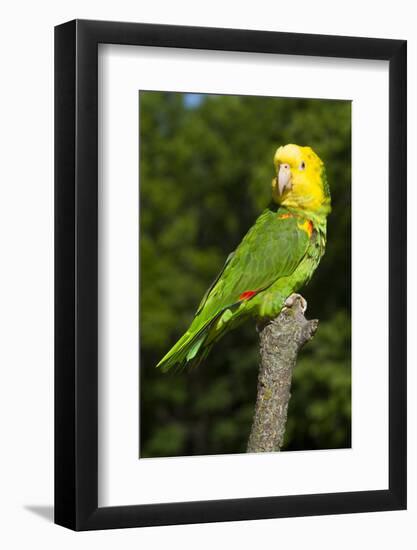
(276, 258)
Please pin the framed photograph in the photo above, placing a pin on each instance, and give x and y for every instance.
(230, 254)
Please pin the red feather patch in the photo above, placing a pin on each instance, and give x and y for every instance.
(247, 294)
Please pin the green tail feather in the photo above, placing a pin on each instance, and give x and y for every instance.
(186, 350)
(194, 346)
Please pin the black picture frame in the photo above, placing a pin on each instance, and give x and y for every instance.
(76, 271)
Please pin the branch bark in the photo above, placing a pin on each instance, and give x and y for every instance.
(280, 340)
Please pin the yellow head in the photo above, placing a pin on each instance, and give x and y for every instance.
(301, 179)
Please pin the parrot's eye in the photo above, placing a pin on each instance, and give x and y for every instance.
(302, 165)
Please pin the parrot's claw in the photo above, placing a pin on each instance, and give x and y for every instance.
(290, 301)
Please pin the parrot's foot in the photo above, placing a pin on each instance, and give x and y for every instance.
(290, 301)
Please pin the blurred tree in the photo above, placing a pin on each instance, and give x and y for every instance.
(205, 173)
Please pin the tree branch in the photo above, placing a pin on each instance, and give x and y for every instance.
(280, 340)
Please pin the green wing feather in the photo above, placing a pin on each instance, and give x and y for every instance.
(272, 248)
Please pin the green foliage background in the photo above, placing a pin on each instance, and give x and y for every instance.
(205, 175)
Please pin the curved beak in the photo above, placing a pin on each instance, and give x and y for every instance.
(284, 178)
